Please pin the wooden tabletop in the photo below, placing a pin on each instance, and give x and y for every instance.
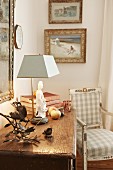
(62, 144)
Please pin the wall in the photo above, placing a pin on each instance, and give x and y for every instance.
(32, 15)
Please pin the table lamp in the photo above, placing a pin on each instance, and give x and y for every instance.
(37, 66)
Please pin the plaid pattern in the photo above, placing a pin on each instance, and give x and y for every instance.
(99, 144)
(87, 106)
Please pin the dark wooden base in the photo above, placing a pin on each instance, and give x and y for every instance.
(19, 162)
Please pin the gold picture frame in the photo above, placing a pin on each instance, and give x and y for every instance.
(66, 45)
(65, 11)
(6, 50)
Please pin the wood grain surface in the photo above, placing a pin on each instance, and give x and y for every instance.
(58, 151)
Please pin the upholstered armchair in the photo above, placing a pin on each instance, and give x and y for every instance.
(93, 141)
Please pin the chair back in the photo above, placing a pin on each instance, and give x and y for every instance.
(86, 102)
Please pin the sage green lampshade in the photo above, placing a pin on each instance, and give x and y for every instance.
(38, 66)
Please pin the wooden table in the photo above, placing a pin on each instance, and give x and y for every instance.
(58, 154)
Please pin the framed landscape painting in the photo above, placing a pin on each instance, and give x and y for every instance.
(66, 45)
(65, 11)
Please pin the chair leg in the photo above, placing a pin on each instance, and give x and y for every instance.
(84, 156)
(84, 160)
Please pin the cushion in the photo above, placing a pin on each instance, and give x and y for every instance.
(99, 144)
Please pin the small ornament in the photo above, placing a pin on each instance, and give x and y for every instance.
(67, 105)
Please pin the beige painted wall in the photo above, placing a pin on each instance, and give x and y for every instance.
(32, 15)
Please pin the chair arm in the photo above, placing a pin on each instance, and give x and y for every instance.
(84, 129)
(81, 122)
(84, 140)
(106, 112)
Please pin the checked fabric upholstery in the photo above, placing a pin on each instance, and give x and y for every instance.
(93, 141)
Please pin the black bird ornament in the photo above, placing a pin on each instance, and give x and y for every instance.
(48, 132)
(20, 112)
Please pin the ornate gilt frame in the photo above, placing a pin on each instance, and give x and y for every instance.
(8, 94)
(65, 11)
(66, 45)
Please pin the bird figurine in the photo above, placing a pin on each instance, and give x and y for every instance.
(20, 112)
(48, 132)
(15, 115)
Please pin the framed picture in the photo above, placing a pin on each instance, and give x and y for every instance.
(6, 49)
(66, 45)
(65, 11)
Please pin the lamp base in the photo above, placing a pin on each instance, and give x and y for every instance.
(39, 120)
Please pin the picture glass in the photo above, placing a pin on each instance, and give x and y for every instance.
(65, 11)
(63, 46)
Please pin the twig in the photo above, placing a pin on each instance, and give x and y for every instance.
(8, 119)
